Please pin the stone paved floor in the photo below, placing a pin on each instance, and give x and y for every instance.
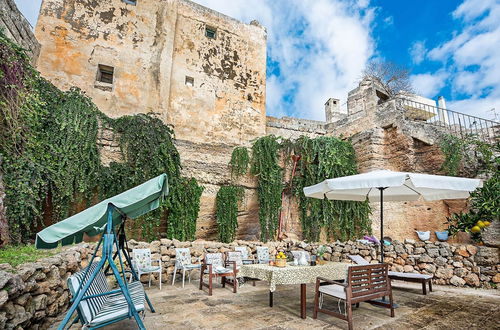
(190, 308)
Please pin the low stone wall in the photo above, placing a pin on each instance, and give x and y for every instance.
(458, 265)
(33, 294)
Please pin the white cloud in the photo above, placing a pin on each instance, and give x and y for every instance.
(428, 84)
(417, 52)
(471, 58)
(321, 47)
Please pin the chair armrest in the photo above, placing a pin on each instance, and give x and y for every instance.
(322, 279)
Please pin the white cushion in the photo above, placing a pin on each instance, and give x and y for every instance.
(359, 260)
(410, 275)
(334, 290)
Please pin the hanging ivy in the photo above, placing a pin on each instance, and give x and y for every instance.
(239, 161)
(265, 157)
(452, 148)
(226, 214)
(183, 206)
(325, 158)
(49, 154)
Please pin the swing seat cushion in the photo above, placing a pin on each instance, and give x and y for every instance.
(107, 308)
(116, 306)
(333, 290)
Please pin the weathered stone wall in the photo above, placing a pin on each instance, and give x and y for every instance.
(33, 294)
(17, 28)
(156, 48)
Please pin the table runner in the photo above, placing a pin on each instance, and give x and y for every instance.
(294, 274)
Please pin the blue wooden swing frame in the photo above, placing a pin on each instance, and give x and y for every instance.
(108, 241)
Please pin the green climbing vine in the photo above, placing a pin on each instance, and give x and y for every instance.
(452, 148)
(227, 211)
(50, 161)
(183, 206)
(239, 161)
(264, 165)
(325, 158)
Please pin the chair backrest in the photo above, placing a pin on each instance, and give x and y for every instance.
(359, 260)
(235, 256)
(89, 307)
(368, 280)
(182, 257)
(298, 254)
(142, 258)
(263, 254)
(243, 250)
(214, 259)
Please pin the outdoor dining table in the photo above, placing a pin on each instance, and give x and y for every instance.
(294, 275)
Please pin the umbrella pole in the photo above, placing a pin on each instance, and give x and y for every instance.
(382, 223)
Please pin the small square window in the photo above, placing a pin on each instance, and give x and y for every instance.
(130, 2)
(105, 73)
(210, 32)
(189, 81)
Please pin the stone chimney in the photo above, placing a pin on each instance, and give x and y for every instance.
(441, 102)
(332, 110)
(442, 113)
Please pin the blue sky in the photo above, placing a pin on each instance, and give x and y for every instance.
(318, 48)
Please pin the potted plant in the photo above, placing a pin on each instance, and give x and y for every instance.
(320, 253)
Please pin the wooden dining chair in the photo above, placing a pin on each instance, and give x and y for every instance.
(363, 283)
(214, 266)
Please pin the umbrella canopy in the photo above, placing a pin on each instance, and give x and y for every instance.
(400, 186)
(377, 186)
(92, 221)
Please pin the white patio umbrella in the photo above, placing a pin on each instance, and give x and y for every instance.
(380, 185)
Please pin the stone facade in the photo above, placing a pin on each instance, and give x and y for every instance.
(205, 73)
(160, 57)
(32, 295)
(17, 28)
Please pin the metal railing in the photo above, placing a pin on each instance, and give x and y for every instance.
(457, 123)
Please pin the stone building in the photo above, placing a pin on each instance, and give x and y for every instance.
(205, 73)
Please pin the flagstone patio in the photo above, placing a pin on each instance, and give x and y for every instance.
(190, 308)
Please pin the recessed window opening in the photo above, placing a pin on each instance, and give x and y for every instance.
(130, 2)
(105, 73)
(210, 32)
(189, 81)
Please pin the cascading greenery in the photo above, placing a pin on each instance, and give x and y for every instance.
(183, 206)
(264, 165)
(452, 148)
(239, 161)
(227, 212)
(50, 159)
(325, 158)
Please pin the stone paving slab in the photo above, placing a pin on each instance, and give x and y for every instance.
(190, 308)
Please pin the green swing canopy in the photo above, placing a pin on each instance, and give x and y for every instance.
(92, 221)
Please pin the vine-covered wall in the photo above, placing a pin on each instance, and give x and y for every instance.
(50, 158)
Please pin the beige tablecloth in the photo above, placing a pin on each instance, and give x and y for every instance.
(294, 274)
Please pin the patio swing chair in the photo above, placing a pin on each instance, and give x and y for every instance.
(96, 304)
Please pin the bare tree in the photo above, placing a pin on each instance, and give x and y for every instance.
(394, 79)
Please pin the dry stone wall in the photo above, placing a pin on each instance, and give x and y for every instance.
(32, 295)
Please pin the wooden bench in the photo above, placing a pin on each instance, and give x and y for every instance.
(363, 283)
(408, 277)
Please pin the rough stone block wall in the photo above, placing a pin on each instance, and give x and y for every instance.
(32, 295)
(17, 28)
